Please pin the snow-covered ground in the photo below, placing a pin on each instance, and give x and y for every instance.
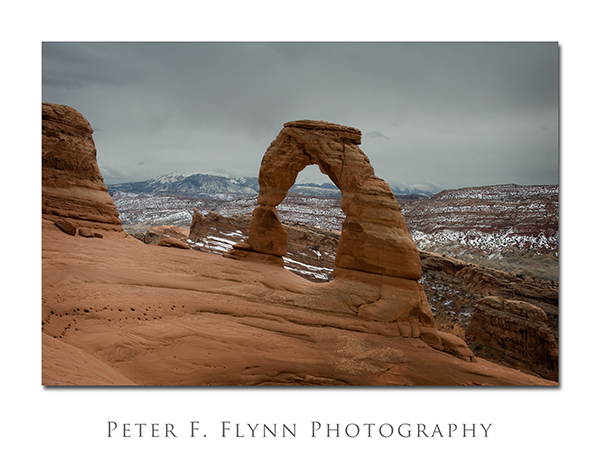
(493, 220)
(493, 244)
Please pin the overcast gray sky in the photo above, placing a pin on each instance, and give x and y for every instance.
(448, 114)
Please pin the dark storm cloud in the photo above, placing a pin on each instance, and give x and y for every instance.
(82, 65)
(452, 114)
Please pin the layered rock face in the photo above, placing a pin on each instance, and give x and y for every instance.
(485, 221)
(215, 224)
(376, 258)
(453, 286)
(73, 192)
(517, 329)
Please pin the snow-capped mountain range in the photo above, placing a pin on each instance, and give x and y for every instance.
(177, 182)
(213, 184)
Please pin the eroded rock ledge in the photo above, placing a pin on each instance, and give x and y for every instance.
(517, 329)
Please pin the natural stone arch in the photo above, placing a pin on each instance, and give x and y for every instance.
(377, 266)
(374, 236)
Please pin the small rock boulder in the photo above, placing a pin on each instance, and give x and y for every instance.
(66, 226)
(173, 243)
(85, 232)
(158, 233)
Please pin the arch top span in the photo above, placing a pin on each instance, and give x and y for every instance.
(374, 236)
(352, 134)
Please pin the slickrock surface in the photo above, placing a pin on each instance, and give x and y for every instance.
(453, 287)
(116, 311)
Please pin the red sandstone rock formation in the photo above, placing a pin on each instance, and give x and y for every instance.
(155, 234)
(173, 243)
(321, 243)
(453, 287)
(518, 330)
(215, 223)
(376, 255)
(374, 235)
(73, 191)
